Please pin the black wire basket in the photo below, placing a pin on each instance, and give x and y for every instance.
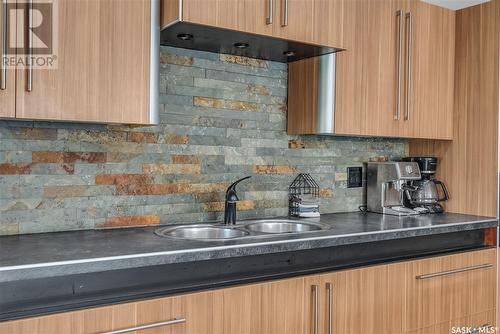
(303, 184)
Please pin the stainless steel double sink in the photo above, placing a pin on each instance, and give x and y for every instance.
(245, 229)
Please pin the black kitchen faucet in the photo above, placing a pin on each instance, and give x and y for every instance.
(230, 205)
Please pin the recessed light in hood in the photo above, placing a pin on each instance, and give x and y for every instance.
(185, 37)
(241, 45)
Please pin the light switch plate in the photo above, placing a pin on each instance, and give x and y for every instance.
(354, 177)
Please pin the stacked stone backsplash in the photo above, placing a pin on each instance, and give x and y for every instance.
(222, 118)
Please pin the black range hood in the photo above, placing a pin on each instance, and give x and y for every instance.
(219, 40)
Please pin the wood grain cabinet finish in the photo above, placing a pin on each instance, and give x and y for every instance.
(395, 77)
(430, 71)
(318, 22)
(269, 308)
(7, 75)
(185, 314)
(449, 289)
(101, 76)
(367, 300)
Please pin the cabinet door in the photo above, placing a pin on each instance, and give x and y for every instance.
(367, 72)
(81, 322)
(243, 15)
(201, 11)
(430, 43)
(450, 287)
(294, 20)
(328, 22)
(247, 15)
(257, 14)
(196, 309)
(368, 300)
(102, 72)
(7, 75)
(273, 307)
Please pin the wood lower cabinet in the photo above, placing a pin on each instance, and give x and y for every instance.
(367, 300)
(186, 314)
(431, 295)
(274, 308)
(447, 288)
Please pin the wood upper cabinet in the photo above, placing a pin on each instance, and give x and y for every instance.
(367, 71)
(328, 22)
(101, 76)
(395, 77)
(294, 20)
(430, 69)
(243, 15)
(317, 22)
(7, 75)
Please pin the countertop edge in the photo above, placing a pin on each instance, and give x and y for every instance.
(83, 266)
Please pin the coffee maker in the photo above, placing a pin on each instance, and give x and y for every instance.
(426, 194)
(389, 187)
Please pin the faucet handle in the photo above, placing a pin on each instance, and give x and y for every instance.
(233, 185)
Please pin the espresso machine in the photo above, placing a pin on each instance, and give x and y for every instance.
(428, 191)
(389, 187)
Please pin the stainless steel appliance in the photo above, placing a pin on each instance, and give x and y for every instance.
(389, 187)
(428, 191)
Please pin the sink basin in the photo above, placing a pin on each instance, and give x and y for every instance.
(201, 232)
(278, 226)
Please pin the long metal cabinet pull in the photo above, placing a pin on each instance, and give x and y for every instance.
(3, 74)
(29, 87)
(397, 115)
(153, 325)
(329, 291)
(454, 271)
(270, 14)
(315, 315)
(285, 13)
(409, 61)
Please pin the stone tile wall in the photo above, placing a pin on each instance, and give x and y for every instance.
(222, 118)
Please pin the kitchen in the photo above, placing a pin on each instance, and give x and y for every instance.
(119, 207)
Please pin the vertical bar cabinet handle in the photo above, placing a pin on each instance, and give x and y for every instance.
(285, 13)
(3, 72)
(270, 14)
(315, 313)
(409, 66)
(329, 290)
(29, 87)
(397, 115)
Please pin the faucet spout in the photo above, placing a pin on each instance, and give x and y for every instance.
(230, 204)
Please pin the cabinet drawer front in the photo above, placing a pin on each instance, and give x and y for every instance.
(449, 287)
(152, 316)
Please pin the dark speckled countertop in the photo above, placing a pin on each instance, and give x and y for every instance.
(64, 253)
